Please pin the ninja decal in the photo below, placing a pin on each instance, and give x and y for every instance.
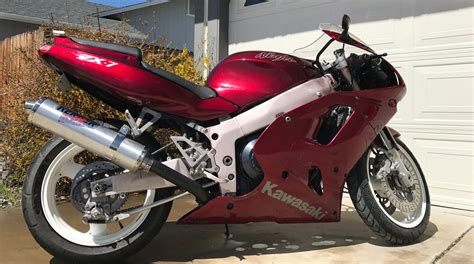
(275, 57)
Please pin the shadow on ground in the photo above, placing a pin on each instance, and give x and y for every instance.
(193, 242)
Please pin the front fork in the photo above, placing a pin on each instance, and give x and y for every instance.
(394, 162)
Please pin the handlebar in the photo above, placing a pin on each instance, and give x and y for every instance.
(341, 64)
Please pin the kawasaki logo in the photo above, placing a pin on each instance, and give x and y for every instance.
(272, 191)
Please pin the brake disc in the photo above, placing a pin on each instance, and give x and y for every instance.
(80, 187)
(404, 199)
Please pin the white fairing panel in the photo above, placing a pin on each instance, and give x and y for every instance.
(257, 118)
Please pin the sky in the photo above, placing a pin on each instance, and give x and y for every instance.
(117, 3)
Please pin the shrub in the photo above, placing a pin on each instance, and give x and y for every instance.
(21, 141)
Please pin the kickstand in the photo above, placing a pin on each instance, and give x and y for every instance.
(227, 233)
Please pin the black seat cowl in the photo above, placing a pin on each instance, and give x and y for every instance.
(201, 91)
(109, 46)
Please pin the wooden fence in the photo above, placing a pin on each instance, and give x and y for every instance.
(11, 58)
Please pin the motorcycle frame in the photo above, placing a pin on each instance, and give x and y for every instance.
(228, 132)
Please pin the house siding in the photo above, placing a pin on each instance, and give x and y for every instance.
(170, 20)
(10, 28)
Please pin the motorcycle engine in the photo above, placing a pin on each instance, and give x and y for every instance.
(249, 162)
(249, 172)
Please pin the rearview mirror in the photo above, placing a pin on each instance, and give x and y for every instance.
(346, 21)
(344, 37)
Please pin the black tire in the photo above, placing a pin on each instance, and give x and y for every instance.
(368, 209)
(66, 250)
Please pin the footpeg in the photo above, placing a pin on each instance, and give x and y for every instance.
(136, 129)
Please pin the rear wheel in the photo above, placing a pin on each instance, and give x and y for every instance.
(54, 217)
(396, 213)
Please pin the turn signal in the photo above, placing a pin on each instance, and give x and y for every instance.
(392, 103)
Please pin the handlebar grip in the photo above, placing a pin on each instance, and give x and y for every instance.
(366, 57)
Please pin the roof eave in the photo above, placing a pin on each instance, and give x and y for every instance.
(24, 19)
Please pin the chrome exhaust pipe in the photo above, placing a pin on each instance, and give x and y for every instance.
(100, 140)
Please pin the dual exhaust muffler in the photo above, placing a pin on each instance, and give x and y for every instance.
(105, 142)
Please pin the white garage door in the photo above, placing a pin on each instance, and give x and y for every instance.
(431, 42)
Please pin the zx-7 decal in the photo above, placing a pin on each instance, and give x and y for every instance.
(96, 60)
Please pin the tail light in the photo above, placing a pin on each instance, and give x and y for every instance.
(50, 38)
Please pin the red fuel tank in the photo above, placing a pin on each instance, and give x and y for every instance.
(246, 78)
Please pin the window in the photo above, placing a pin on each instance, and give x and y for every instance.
(190, 8)
(254, 2)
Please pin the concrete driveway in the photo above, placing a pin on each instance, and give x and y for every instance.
(448, 239)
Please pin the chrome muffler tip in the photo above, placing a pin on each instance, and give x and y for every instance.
(29, 105)
(32, 106)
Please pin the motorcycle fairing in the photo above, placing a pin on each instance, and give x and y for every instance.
(287, 145)
(122, 76)
(257, 118)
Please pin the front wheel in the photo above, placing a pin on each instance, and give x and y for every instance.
(53, 210)
(396, 213)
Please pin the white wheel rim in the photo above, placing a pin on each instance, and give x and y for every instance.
(414, 219)
(98, 234)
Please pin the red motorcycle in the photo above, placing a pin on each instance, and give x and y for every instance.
(271, 137)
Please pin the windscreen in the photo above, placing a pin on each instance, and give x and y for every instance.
(334, 31)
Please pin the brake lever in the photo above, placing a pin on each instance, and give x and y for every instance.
(377, 56)
(368, 58)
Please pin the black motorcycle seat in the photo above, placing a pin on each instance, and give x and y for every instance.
(202, 92)
(109, 46)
